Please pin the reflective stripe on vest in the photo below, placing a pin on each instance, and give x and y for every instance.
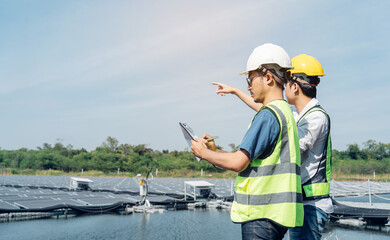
(271, 187)
(318, 186)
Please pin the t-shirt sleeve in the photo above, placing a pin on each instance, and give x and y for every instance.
(262, 135)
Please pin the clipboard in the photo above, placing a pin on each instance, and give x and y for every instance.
(189, 134)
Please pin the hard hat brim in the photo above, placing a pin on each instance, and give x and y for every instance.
(287, 69)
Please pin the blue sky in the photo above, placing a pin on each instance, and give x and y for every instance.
(79, 71)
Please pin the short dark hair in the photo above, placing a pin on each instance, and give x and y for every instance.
(308, 89)
(274, 73)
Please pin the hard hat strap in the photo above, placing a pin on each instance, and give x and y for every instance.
(302, 79)
(262, 69)
(274, 75)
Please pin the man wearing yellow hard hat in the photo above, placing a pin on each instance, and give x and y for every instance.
(314, 140)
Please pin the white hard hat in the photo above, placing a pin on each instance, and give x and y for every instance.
(268, 54)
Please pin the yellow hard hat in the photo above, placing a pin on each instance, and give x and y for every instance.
(306, 64)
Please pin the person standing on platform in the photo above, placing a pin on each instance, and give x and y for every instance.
(314, 139)
(268, 194)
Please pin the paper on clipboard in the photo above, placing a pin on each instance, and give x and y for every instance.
(188, 134)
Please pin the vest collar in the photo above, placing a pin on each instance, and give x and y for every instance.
(313, 102)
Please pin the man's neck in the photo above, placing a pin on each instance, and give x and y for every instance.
(301, 102)
(273, 95)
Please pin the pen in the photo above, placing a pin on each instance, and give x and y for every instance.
(212, 138)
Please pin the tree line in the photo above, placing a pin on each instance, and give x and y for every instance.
(371, 157)
(371, 150)
(110, 156)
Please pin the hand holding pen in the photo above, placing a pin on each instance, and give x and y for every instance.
(210, 141)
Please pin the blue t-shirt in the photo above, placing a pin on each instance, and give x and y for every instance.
(260, 139)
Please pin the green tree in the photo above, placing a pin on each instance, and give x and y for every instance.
(370, 145)
(233, 147)
(381, 151)
(111, 144)
(46, 146)
(141, 149)
(353, 151)
(127, 149)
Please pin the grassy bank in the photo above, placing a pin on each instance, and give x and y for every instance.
(175, 173)
(361, 177)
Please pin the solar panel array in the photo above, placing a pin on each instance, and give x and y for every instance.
(223, 187)
(39, 192)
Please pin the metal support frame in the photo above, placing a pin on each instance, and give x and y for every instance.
(196, 185)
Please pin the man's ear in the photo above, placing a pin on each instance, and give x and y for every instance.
(269, 78)
(295, 87)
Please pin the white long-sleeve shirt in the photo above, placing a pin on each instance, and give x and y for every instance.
(313, 135)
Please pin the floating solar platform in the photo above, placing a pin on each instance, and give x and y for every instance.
(48, 193)
(223, 187)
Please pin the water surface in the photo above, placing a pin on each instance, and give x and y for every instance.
(184, 225)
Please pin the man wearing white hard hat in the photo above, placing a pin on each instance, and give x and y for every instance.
(314, 138)
(268, 196)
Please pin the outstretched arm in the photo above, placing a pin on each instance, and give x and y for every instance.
(224, 89)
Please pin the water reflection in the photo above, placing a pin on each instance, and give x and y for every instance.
(183, 225)
(143, 223)
(337, 231)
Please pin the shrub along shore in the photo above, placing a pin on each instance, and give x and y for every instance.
(372, 161)
(180, 174)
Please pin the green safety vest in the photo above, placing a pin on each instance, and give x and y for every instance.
(270, 188)
(318, 186)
